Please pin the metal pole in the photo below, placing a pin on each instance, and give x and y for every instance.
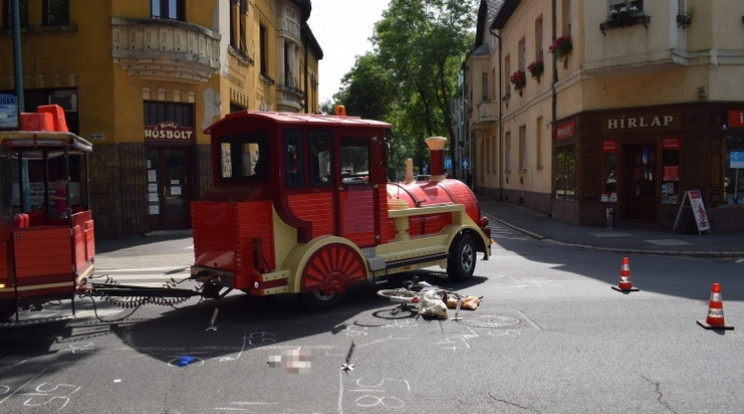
(18, 66)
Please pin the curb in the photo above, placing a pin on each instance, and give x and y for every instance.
(650, 252)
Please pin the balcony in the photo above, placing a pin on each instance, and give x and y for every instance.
(288, 98)
(165, 50)
(486, 114)
(488, 111)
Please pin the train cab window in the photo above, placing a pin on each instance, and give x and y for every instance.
(355, 161)
(244, 158)
(293, 165)
(321, 158)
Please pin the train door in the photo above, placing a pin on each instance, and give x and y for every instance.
(357, 201)
(169, 172)
(640, 182)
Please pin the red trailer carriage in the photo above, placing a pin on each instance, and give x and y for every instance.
(45, 254)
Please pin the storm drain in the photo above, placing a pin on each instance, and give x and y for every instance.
(499, 320)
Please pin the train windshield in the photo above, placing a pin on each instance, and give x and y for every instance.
(244, 158)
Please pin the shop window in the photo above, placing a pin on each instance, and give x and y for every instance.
(295, 173)
(565, 172)
(733, 181)
(180, 113)
(609, 170)
(670, 171)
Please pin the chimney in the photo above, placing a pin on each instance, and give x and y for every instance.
(436, 151)
(409, 171)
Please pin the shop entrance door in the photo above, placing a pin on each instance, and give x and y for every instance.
(640, 182)
(169, 187)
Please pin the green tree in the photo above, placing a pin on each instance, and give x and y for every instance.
(367, 89)
(410, 78)
(422, 44)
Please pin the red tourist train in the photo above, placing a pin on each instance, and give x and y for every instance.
(47, 241)
(301, 204)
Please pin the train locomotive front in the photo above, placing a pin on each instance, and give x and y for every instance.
(301, 204)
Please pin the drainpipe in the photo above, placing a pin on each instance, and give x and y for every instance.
(501, 127)
(18, 65)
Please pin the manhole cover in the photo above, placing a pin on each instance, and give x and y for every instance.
(492, 321)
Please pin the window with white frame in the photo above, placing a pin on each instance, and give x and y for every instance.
(538, 143)
(507, 153)
(624, 6)
(507, 71)
(523, 148)
(484, 86)
(522, 55)
(539, 39)
(566, 17)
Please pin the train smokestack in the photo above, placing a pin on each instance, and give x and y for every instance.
(436, 153)
(409, 171)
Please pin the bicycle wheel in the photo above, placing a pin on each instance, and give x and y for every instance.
(400, 295)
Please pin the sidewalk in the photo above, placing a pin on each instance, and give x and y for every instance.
(626, 239)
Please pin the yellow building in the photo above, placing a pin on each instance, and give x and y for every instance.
(636, 108)
(142, 79)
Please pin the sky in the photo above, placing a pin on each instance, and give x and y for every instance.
(342, 28)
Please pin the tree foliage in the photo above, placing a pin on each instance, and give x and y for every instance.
(411, 77)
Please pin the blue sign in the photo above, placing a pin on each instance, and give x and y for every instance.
(465, 163)
(448, 162)
(737, 159)
(8, 111)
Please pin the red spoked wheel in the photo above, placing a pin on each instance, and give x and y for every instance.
(329, 272)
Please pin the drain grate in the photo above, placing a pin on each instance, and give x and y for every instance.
(492, 321)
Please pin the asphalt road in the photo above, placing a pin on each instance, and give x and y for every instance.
(550, 336)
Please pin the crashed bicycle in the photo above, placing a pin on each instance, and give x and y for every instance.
(425, 299)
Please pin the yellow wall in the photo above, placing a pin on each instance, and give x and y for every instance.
(110, 99)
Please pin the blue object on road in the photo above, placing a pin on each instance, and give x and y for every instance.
(185, 360)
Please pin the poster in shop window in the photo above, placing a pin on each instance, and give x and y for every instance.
(693, 201)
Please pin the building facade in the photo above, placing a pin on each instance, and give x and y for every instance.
(142, 79)
(637, 104)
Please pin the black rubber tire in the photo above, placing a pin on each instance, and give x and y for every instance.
(317, 300)
(462, 258)
(6, 312)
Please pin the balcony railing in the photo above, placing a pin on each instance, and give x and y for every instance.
(165, 49)
(488, 111)
(289, 98)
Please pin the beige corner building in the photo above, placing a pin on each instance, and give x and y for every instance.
(596, 109)
(142, 79)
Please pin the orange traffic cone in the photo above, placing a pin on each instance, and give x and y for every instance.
(715, 311)
(625, 284)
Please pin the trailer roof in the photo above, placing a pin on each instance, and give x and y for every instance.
(46, 139)
(301, 118)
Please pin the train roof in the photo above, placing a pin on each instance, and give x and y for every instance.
(301, 119)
